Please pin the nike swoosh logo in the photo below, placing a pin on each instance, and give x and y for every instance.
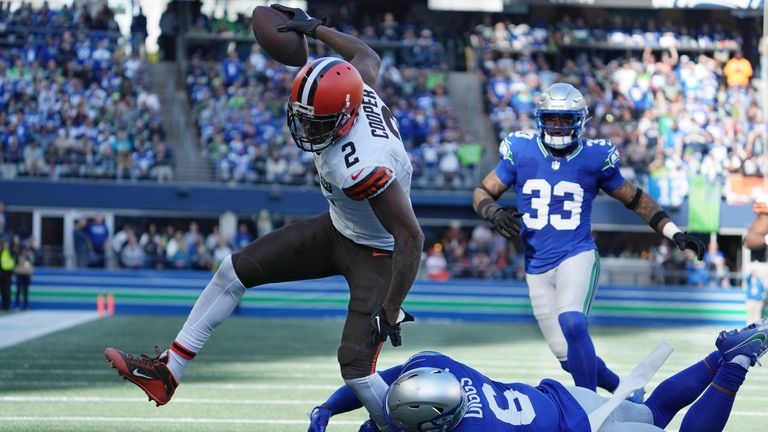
(139, 374)
(757, 337)
(357, 174)
(377, 253)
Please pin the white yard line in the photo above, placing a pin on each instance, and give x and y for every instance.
(21, 327)
(165, 420)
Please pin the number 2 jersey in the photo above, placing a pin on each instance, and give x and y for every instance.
(556, 194)
(361, 165)
(508, 407)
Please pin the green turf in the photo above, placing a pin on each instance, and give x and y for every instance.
(265, 374)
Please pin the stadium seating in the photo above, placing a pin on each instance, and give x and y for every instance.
(74, 104)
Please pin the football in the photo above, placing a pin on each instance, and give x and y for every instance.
(288, 48)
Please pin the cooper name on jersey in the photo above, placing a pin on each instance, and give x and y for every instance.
(373, 115)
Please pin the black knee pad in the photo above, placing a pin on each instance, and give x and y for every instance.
(356, 361)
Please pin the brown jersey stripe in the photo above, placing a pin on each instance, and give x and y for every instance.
(375, 187)
(365, 182)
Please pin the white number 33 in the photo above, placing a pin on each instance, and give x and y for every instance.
(541, 204)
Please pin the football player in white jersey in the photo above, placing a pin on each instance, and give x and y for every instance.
(370, 235)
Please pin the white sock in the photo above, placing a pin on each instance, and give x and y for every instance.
(371, 391)
(215, 304)
(742, 361)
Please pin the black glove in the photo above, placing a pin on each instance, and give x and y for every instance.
(382, 329)
(684, 241)
(506, 222)
(300, 21)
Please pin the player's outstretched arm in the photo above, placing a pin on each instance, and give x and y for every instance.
(484, 198)
(755, 238)
(651, 212)
(393, 209)
(344, 400)
(355, 51)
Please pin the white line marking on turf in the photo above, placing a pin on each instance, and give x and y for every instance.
(77, 399)
(21, 327)
(167, 420)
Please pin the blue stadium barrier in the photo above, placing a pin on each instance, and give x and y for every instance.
(174, 292)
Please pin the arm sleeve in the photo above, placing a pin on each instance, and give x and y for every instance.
(343, 400)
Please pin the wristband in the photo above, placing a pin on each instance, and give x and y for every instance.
(670, 229)
(486, 208)
(656, 218)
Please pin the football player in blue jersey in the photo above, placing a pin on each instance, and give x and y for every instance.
(556, 175)
(432, 392)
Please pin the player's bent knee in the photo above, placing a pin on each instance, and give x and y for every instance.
(247, 269)
(226, 276)
(356, 361)
(573, 324)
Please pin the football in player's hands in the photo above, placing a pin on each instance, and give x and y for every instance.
(287, 47)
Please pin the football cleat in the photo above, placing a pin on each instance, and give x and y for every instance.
(151, 374)
(750, 341)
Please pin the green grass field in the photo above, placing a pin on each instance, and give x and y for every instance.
(265, 374)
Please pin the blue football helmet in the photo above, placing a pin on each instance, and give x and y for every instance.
(560, 114)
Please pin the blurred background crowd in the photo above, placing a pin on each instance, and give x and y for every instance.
(678, 98)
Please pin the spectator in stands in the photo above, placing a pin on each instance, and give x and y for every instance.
(138, 31)
(712, 254)
(98, 235)
(243, 236)
(221, 251)
(738, 71)
(181, 258)
(152, 243)
(132, 254)
(697, 274)
(755, 294)
(7, 264)
(119, 240)
(82, 243)
(264, 223)
(23, 272)
(168, 29)
(436, 265)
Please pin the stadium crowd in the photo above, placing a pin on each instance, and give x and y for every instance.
(73, 103)
(671, 115)
(239, 104)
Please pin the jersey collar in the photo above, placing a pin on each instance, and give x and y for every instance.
(547, 154)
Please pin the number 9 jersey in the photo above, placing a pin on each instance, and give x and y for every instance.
(556, 194)
(361, 165)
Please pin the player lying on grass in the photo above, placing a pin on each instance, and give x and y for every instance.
(433, 392)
